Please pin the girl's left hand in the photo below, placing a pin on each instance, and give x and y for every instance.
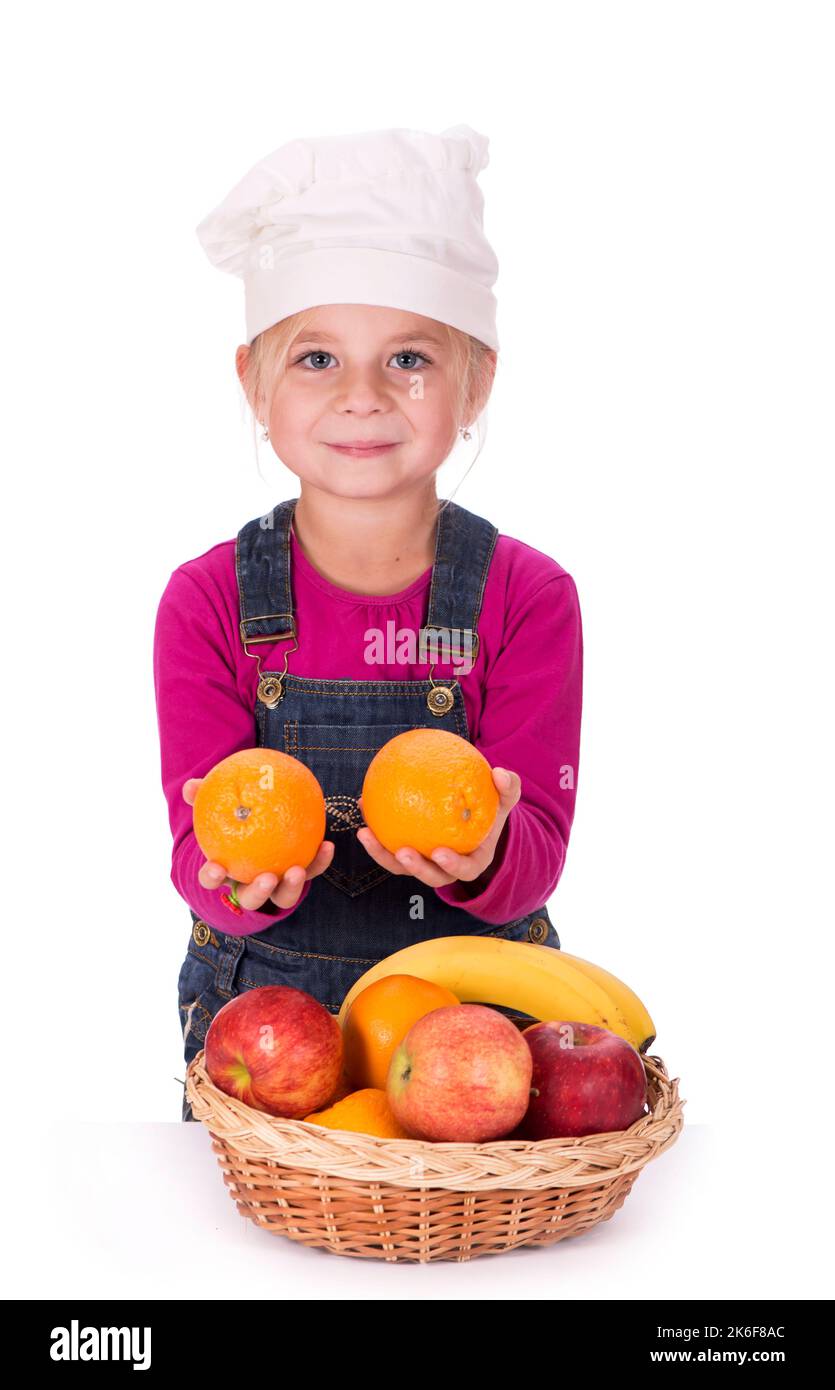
(446, 866)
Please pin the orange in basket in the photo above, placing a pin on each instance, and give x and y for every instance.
(365, 1112)
(379, 1019)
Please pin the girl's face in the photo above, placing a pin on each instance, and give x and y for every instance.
(361, 373)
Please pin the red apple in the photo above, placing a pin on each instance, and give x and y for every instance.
(586, 1080)
(462, 1073)
(277, 1049)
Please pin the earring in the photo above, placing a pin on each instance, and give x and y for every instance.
(265, 434)
(465, 434)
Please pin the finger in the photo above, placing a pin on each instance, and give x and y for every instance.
(419, 867)
(289, 890)
(465, 867)
(508, 785)
(190, 789)
(323, 857)
(212, 875)
(252, 895)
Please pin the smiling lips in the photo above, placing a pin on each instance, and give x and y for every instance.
(363, 448)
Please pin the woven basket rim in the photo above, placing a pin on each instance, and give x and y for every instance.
(418, 1163)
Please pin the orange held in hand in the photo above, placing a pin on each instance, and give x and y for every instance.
(379, 1019)
(259, 811)
(429, 789)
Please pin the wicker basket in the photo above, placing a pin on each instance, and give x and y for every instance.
(409, 1200)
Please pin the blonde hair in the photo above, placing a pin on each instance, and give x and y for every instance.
(471, 372)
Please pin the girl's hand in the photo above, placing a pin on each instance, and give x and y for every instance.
(446, 866)
(284, 892)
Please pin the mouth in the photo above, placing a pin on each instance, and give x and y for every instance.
(363, 448)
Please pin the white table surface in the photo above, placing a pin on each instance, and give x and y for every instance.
(133, 1210)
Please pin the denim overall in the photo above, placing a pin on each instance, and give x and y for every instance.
(356, 912)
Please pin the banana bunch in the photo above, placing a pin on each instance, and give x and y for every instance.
(538, 980)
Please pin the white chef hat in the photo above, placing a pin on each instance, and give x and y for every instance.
(391, 217)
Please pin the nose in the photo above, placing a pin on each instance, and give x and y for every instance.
(362, 390)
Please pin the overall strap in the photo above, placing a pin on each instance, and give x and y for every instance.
(262, 561)
(463, 551)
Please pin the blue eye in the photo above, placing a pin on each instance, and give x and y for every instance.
(319, 352)
(410, 352)
(403, 352)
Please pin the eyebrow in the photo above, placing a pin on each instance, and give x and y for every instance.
(314, 335)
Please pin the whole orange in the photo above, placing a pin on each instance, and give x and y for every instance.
(259, 811)
(429, 789)
(378, 1021)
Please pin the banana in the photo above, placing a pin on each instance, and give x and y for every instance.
(631, 1007)
(523, 975)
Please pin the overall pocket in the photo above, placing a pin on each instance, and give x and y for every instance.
(196, 1003)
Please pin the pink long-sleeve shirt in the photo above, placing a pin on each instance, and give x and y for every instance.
(523, 700)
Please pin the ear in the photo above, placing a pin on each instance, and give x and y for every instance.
(241, 363)
(485, 383)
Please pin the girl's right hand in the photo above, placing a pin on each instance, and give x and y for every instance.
(284, 891)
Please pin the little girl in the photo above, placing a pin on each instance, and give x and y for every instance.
(365, 606)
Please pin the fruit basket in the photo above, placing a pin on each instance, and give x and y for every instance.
(410, 1200)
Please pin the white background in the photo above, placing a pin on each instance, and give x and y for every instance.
(660, 199)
